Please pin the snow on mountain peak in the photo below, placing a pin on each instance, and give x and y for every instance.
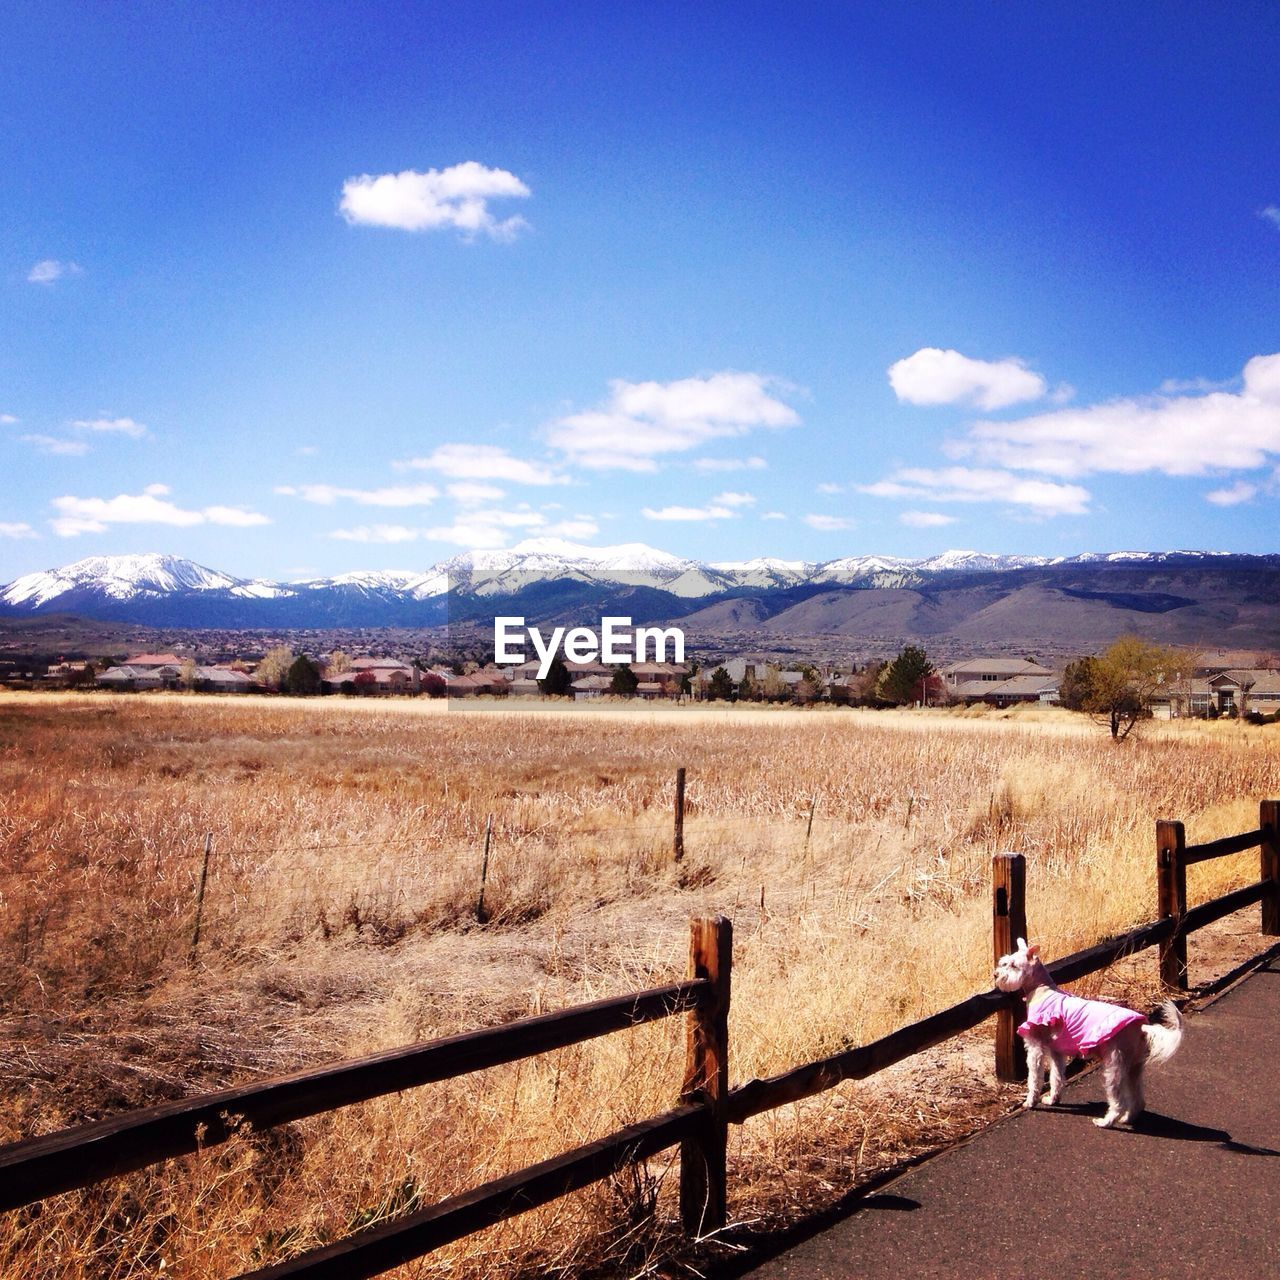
(120, 577)
(124, 578)
(629, 555)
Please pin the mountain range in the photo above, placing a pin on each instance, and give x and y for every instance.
(1192, 597)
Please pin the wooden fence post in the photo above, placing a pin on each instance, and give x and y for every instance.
(204, 877)
(1171, 900)
(678, 849)
(1008, 924)
(484, 871)
(703, 1191)
(1269, 821)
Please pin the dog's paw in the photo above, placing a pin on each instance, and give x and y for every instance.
(1052, 1100)
(1106, 1122)
(1029, 1104)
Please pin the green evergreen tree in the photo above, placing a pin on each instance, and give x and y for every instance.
(624, 682)
(903, 679)
(303, 677)
(1078, 682)
(721, 685)
(558, 679)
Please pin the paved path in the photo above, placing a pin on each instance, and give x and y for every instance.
(1194, 1191)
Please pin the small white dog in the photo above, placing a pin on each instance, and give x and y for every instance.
(1061, 1026)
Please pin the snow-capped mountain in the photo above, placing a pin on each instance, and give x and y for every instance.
(118, 578)
(489, 573)
(166, 590)
(395, 582)
(766, 571)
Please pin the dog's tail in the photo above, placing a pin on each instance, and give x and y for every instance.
(1163, 1036)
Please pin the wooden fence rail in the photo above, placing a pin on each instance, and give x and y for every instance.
(87, 1154)
(82, 1156)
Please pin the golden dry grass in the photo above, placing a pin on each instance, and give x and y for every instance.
(340, 917)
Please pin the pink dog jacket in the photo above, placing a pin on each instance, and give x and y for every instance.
(1079, 1026)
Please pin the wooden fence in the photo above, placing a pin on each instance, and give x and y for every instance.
(88, 1154)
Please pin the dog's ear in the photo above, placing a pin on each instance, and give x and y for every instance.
(1033, 951)
(1022, 944)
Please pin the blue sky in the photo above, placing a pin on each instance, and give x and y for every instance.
(303, 289)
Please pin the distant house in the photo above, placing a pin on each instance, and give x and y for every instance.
(462, 686)
(205, 679)
(153, 660)
(127, 677)
(66, 672)
(590, 686)
(588, 669)
(221, 680)
(1005, 693)
(999, 680)
(375, 675)
(1235, 692)
(658, 679)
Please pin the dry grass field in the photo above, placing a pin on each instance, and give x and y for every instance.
(340, 917)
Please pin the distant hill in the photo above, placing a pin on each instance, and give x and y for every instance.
(968, 599)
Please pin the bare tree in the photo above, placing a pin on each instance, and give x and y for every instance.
(273, 668)
(1126, 679)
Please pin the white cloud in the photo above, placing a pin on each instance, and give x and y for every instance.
(492, 528)
(1271, 213)
(7, 419)
(236, 517)
(96, 515)
(829, 488)
(455, 197)
(487, 462)
(325, 495)
(473, 535)
(519, 518)
(1175, 386)
(641, 421)
(111, 426)
(16, 529)
(932, 376)
(1178, 435)
(53, 445)
(1233, 495)
(829, 524)
(78, 448)
(925, 519)
(575, 529)
(474, 492)
(731, 499)
(730, 464)
(773, 515)
(378, 533)
(688, 513)
(968, 484)
(50, 270)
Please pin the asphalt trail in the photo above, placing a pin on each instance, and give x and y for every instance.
(1192, 1191)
